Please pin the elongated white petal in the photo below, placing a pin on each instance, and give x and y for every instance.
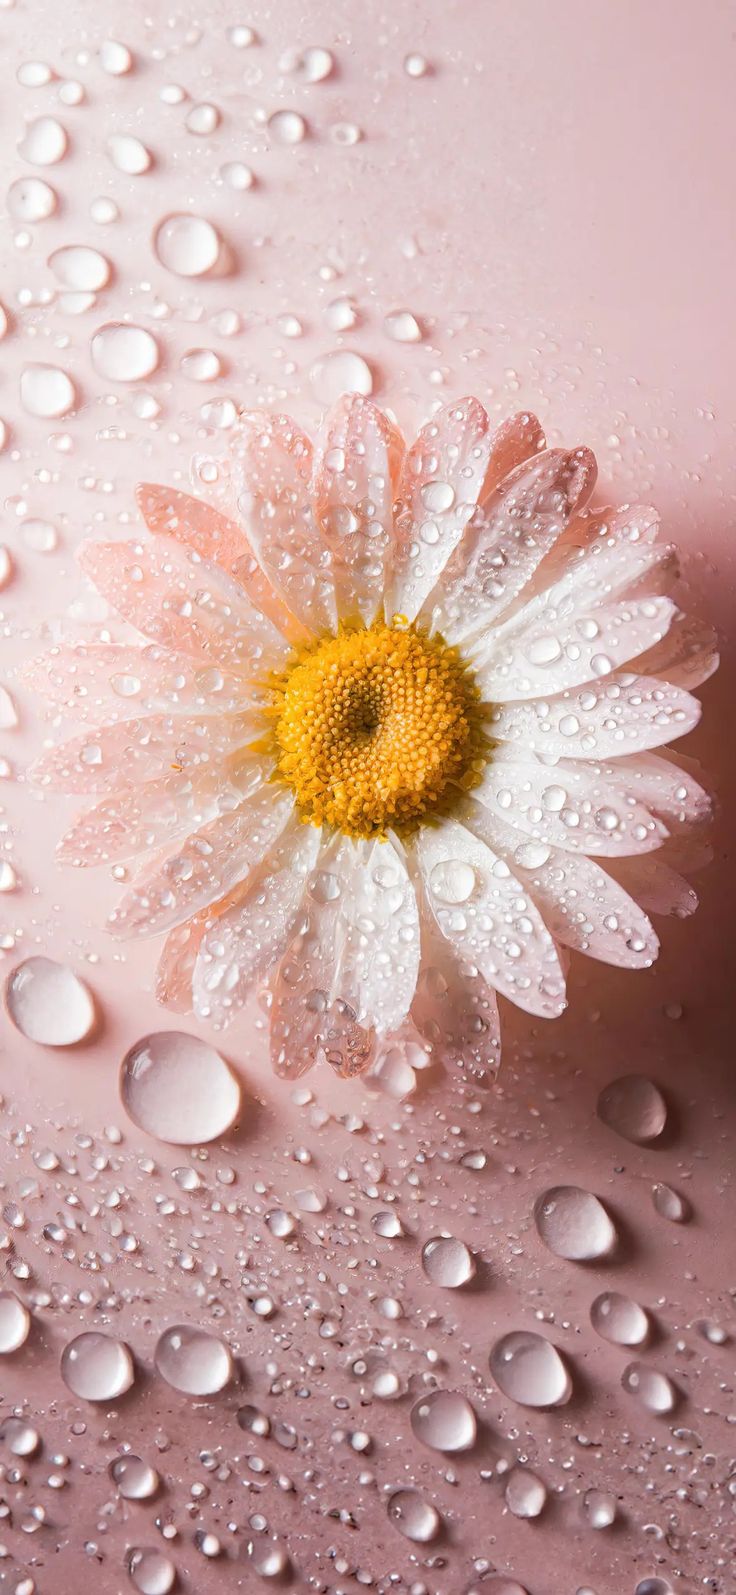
(563, 651)
(132, 751)
(455, 1009)
(580, 808)
(657, 886)
(618, 715)
(687, 656)
(98, 682)
(306, 1022)
(355, 475)
(377, 940)
(155, 814)
(489, 918)
(666, 786)
(241, 945)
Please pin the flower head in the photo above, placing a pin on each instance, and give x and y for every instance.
(378, 714)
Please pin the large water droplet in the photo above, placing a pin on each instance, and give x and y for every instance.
(46, 391)
(287, 127)
(80, 268)
(124, 353)
(670, 1204)
(49, 1004)
(15, 1322)
(599, 1509)
(187, 245)
(652, 1388)
(341, 372)
(403, 327)
(447, 1262)
(530, 1370)
(634, 1107)
(444, 1420)
(129, 155)
(30, 199)
(133, 1478)
(20, 1437)
(452, 881)
(654, 1586)
(525, 1493)
(416, 1518)
(45, 142)
(574, 1224)
(619, 1319)
(267, 1557)
(312, 65)
(151, 1571)
(193, 1360)
(97, 1367)
(115, 58)
(178, 1088)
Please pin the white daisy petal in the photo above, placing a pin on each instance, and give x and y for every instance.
(687, 656)
(133, 751)
(658, 887)
(665, 786)
(306, 1022)
(271, 472)
(209, 865)
(104, 681)
(508, 539)
(242, 944)
(440, 485)
(455, 1009)
(143, 819)
(574, 807)
(377, 940)
(488, 917)
(355, 477)
(561, 652)
(620, 714)
(582, 906)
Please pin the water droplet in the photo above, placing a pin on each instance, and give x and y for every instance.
(530, 1370)
(8, 877)
(267, 1557)
(287, 127)
(133, 1478)
(97, 1367)
(40, 536)
(403, 327)
(415, 65)
(654, 1586)
(21, 1439)
(670, 1204)
(202, 119)
(619, 1319)
(634, 1107)
(525, 1493)
(312, 65)
(46, 391)
(599, 1509)
(452, 881)
(151, 1571)
(103, 210)
(79, 267)
(340, 372)
(193, 1361)
(652, 1388)
(8, 712)
(388, 1225)
(129, 155)
(447, 1262)
(241, 36)
(444, 1421)
(115, 58)
(237, 175)
(187, 245)
(416, 1518)
(45, 142)
(201, 365)
(124, 353)
(34, 74)
(31, 200)
(15, 1322)
(574, 1224)
(49, 1004)
(178, 1088)
(345, 134)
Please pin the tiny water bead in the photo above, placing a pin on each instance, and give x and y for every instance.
(15, 1322)
(123, 352)
(133, 1478)
(671, 1204)
(193, 1361)
(46, 391)
(651, 1387)
(415, 1517)
(49, 1004)
(444, 1421)
(634, 1107)
(447, 1262)
(151, 1571)
(529, 1370)
(97, 1367)
(525, 1493)
(599, 1509)
(620, 1319)
(187, 245)
(574, 1224)
(178, 1088)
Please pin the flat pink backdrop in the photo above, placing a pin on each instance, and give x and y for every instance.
(552, 200)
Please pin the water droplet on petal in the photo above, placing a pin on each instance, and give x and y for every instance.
(287, 127)
(444, 1421)
(21, 1439)
(403, 327)
(574, 1224)
(619, 1318)
(599, 1509)
(129, 155)
(525, 1493)
(80, 267)
(8, 712)
(133, 1478)
(447, 1262)
(151, 1571)
(267, 1557)
(340, 372)
(652, 1388)
(187, 245)
(670, 1204)
(416, 1518)
(49, 1004)
(45, 142)
(193, 1361)
(124, 353)
(97, 1367)
(115, 58)
(15, 1322)
(312, 65)
(415, 65)
(46, 391)
(202, 119)
(634, 1107)
(654, 1586)
(31, 200)
(530, 1370)
(178, 1088)
(452, 881)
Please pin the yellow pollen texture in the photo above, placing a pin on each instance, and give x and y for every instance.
(376, 728)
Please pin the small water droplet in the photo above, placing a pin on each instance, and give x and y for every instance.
(45, 142)
(452, 881)
(124, 353)
(80, 267)
(201, 365)
(267, 1557)
(178, 1088)
(416, 1518)
(599, 1509)
(30, 199)
(444, 1421)
(187, 245)
(46, 391)
(237, 175)
(312, 65)
(49, 1004)
(21, 1439)
(574, 1224)
(151, 1571)
(671, 1204)
(115, 58)
(530, 1370)
(415, 65)
(652, 1388)
(193, 1361)
(129, 155)
(97, 1367)
(447, 1262)
(287, 127)
(403, 327)
(340, 372)
(133, 1478)
(634, 1107)
(654, 1586)
(525, 1493)
(202, 119)
(619, 1318)
(15, 1322)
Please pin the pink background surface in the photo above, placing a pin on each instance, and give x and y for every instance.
(551, 201)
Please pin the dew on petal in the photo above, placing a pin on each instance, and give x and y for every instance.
(80, 267)
(133, 1478)
(452, 881)
(447, 1262)
(287, 127)
(671, 1204)
(444, 1421)
(341, 372)
(20, 1437)
(530, 1370)
(620, 1319)
(525, 1493)
(654, 1586)
(312, 65)
(97, 1367)
(574, 1224)
(15, 1322)
(403, 327)
(129, 154)
(152, 1572)
(115, 58)
(178, 1088)
(123, 352)
(634, 1107)
(46, 391)
(651, 1387)
(45, 142)
(193, 1361)
(48, 1003)
(413, 1516)
(8, 711)
(267, 1557)
(599, 1509)
(187, 245)
(30, 199)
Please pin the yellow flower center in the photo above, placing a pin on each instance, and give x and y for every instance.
(376, 729)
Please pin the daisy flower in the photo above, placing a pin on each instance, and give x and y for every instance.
(380, 732)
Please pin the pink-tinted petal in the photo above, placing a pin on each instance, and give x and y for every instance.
(355, 475)
(145, 818)
(578, 807)
(658, 887)
(604, 552)
(131, 751)
(514, 442)
(667, 788)
(271, 471)
(620, 714)
(564, 650)
(507, 540)
(241, 945)
(306, 1022)
(210, 864)
(455, 1009)
(687, 656)
(442, 478)
(489, 918)
(98, 682)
